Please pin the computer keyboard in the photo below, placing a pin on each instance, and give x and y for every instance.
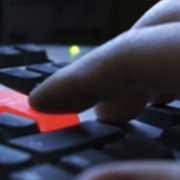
(40, 146)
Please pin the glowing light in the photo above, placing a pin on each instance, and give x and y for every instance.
(74, 50)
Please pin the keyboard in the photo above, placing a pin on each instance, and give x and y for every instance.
(40, 146)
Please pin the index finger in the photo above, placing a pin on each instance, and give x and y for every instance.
(147, 57)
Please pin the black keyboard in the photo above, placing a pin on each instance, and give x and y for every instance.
(33, 147)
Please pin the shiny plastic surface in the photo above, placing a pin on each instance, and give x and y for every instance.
(17, 103)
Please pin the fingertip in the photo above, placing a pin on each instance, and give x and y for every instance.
(124, 109)
(55, 96)
(45, 97)
(35, 102)
(162, 98)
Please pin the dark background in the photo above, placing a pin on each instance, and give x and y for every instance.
(67, 21)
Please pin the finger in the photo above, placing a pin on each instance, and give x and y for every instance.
(131, 60)
(150, 170)
(124, 109)
(156, 64)
(163, 98)
(163, 12)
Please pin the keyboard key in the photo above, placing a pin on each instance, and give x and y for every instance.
(10, 57)
(14, 126)
(12, 159)
(19, 79)
(136, 147)
(61, 64)
(80, 161)
(32, 53)
(17, 103)
(41, 172)
(46, 69)
(160, 116)
(49, 146)
(45, 137)
(171, 137)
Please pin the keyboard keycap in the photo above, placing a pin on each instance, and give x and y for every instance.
(10, 57)
(46, 69)
(14, 126)
(82, 160)
(41, 172)
(160, 116)
(17, 103)
(21, 80)
(12, 159)
(49, 146)
(136, 147)
(61, 64)
(32, 53)
(171, 137)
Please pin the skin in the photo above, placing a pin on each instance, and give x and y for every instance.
(140, 65)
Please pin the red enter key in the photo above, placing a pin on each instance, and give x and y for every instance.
(17, 103)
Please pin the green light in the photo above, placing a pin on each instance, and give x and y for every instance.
(74, 50)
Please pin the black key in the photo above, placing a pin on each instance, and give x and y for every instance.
(80, 161)
(32, 54)
(61, 64)
(160, 116)
(13, 159)
(171, 137)
(13, 126)
(46, 69)
(49, 146)
(136, 147)
(41, 172)
(10, 57)
(21, 80)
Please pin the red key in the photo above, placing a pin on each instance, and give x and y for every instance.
(17, 103)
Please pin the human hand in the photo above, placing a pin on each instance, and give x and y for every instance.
(120, 77)
(122, 73)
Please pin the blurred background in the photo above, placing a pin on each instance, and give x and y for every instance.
(67, 21)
